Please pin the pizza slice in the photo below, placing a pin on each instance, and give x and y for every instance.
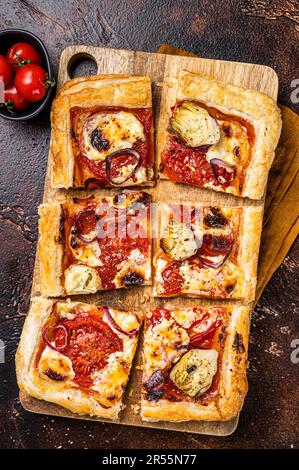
(194, 363)
(102, 132)
(207, 251)
(92, 244)
(77, 355)
(217, 136)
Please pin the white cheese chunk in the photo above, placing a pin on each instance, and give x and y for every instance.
(55, 366)
(80, 279)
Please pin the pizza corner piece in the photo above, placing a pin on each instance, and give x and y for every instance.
(207, 251)
(195, 362)
(217, 136)
(92, 244)
(102, 133)
(52, 363)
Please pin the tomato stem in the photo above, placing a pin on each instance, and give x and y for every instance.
(9, 106)
(50, 83)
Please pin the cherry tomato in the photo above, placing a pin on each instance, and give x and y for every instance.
(6, 70)
(31, 82)
(21, 54)
(13, 100)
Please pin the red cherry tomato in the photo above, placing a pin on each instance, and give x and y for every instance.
(6, 70)
(13, 100)
(31, 81)
(21, 54)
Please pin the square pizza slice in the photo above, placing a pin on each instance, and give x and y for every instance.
(195, 362)
(207, 251)
(102, 132)
(92, 244)
(77, 355)
(217, 136)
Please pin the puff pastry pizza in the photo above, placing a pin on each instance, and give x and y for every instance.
(102, 132)
(195, 363)
(77, 355)
(207, 251)
(91, 244)
(217, 136)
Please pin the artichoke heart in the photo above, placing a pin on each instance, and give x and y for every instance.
(195, 125)
(194, 373)
(178, 241)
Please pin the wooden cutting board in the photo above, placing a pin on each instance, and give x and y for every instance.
(160, 68)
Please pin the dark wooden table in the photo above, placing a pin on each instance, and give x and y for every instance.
(243, 30)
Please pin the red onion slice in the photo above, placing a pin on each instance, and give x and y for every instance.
(115, 325)
(109, 163)
(215, 247)
(52, 329)
(208, 261)
(224, 172)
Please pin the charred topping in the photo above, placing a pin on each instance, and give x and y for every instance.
(156, 379)
(93, 183)
(154, 395)
(74, 243)
(215, 218)
(191, 369)
(61, 238)
(238, 343)
(98, 140)
(132, 279)
(72, 132)
(227, 130)
(54, 375)
(237, 151)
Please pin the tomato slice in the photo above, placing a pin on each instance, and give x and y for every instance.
(91, 341)
(172, 279)
(86, 222)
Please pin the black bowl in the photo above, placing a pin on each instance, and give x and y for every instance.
(8, 38)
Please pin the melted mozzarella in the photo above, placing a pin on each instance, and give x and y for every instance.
(208, 279)
(88, 253)
(185, 318)
(120, 130)
(110, 380)
(125, 320)
(224, 149)
(164, 345)
(80, 279)
(55, 366)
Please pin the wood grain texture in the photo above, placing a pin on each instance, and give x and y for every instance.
(160, 68)
(219, 29)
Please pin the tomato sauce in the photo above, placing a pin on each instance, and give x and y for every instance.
(184, 164)
(86, 169)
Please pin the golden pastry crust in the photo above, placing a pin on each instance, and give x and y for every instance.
(232, 385)
(52, 243)
(129, 91)
(247, 225)
(255, 107)
(50, 250)
(65, 393)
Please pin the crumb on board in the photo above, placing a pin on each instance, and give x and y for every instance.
(135, 408)
(145, 298)
(139, 367)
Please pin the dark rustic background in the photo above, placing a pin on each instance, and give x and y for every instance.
(265, 32)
